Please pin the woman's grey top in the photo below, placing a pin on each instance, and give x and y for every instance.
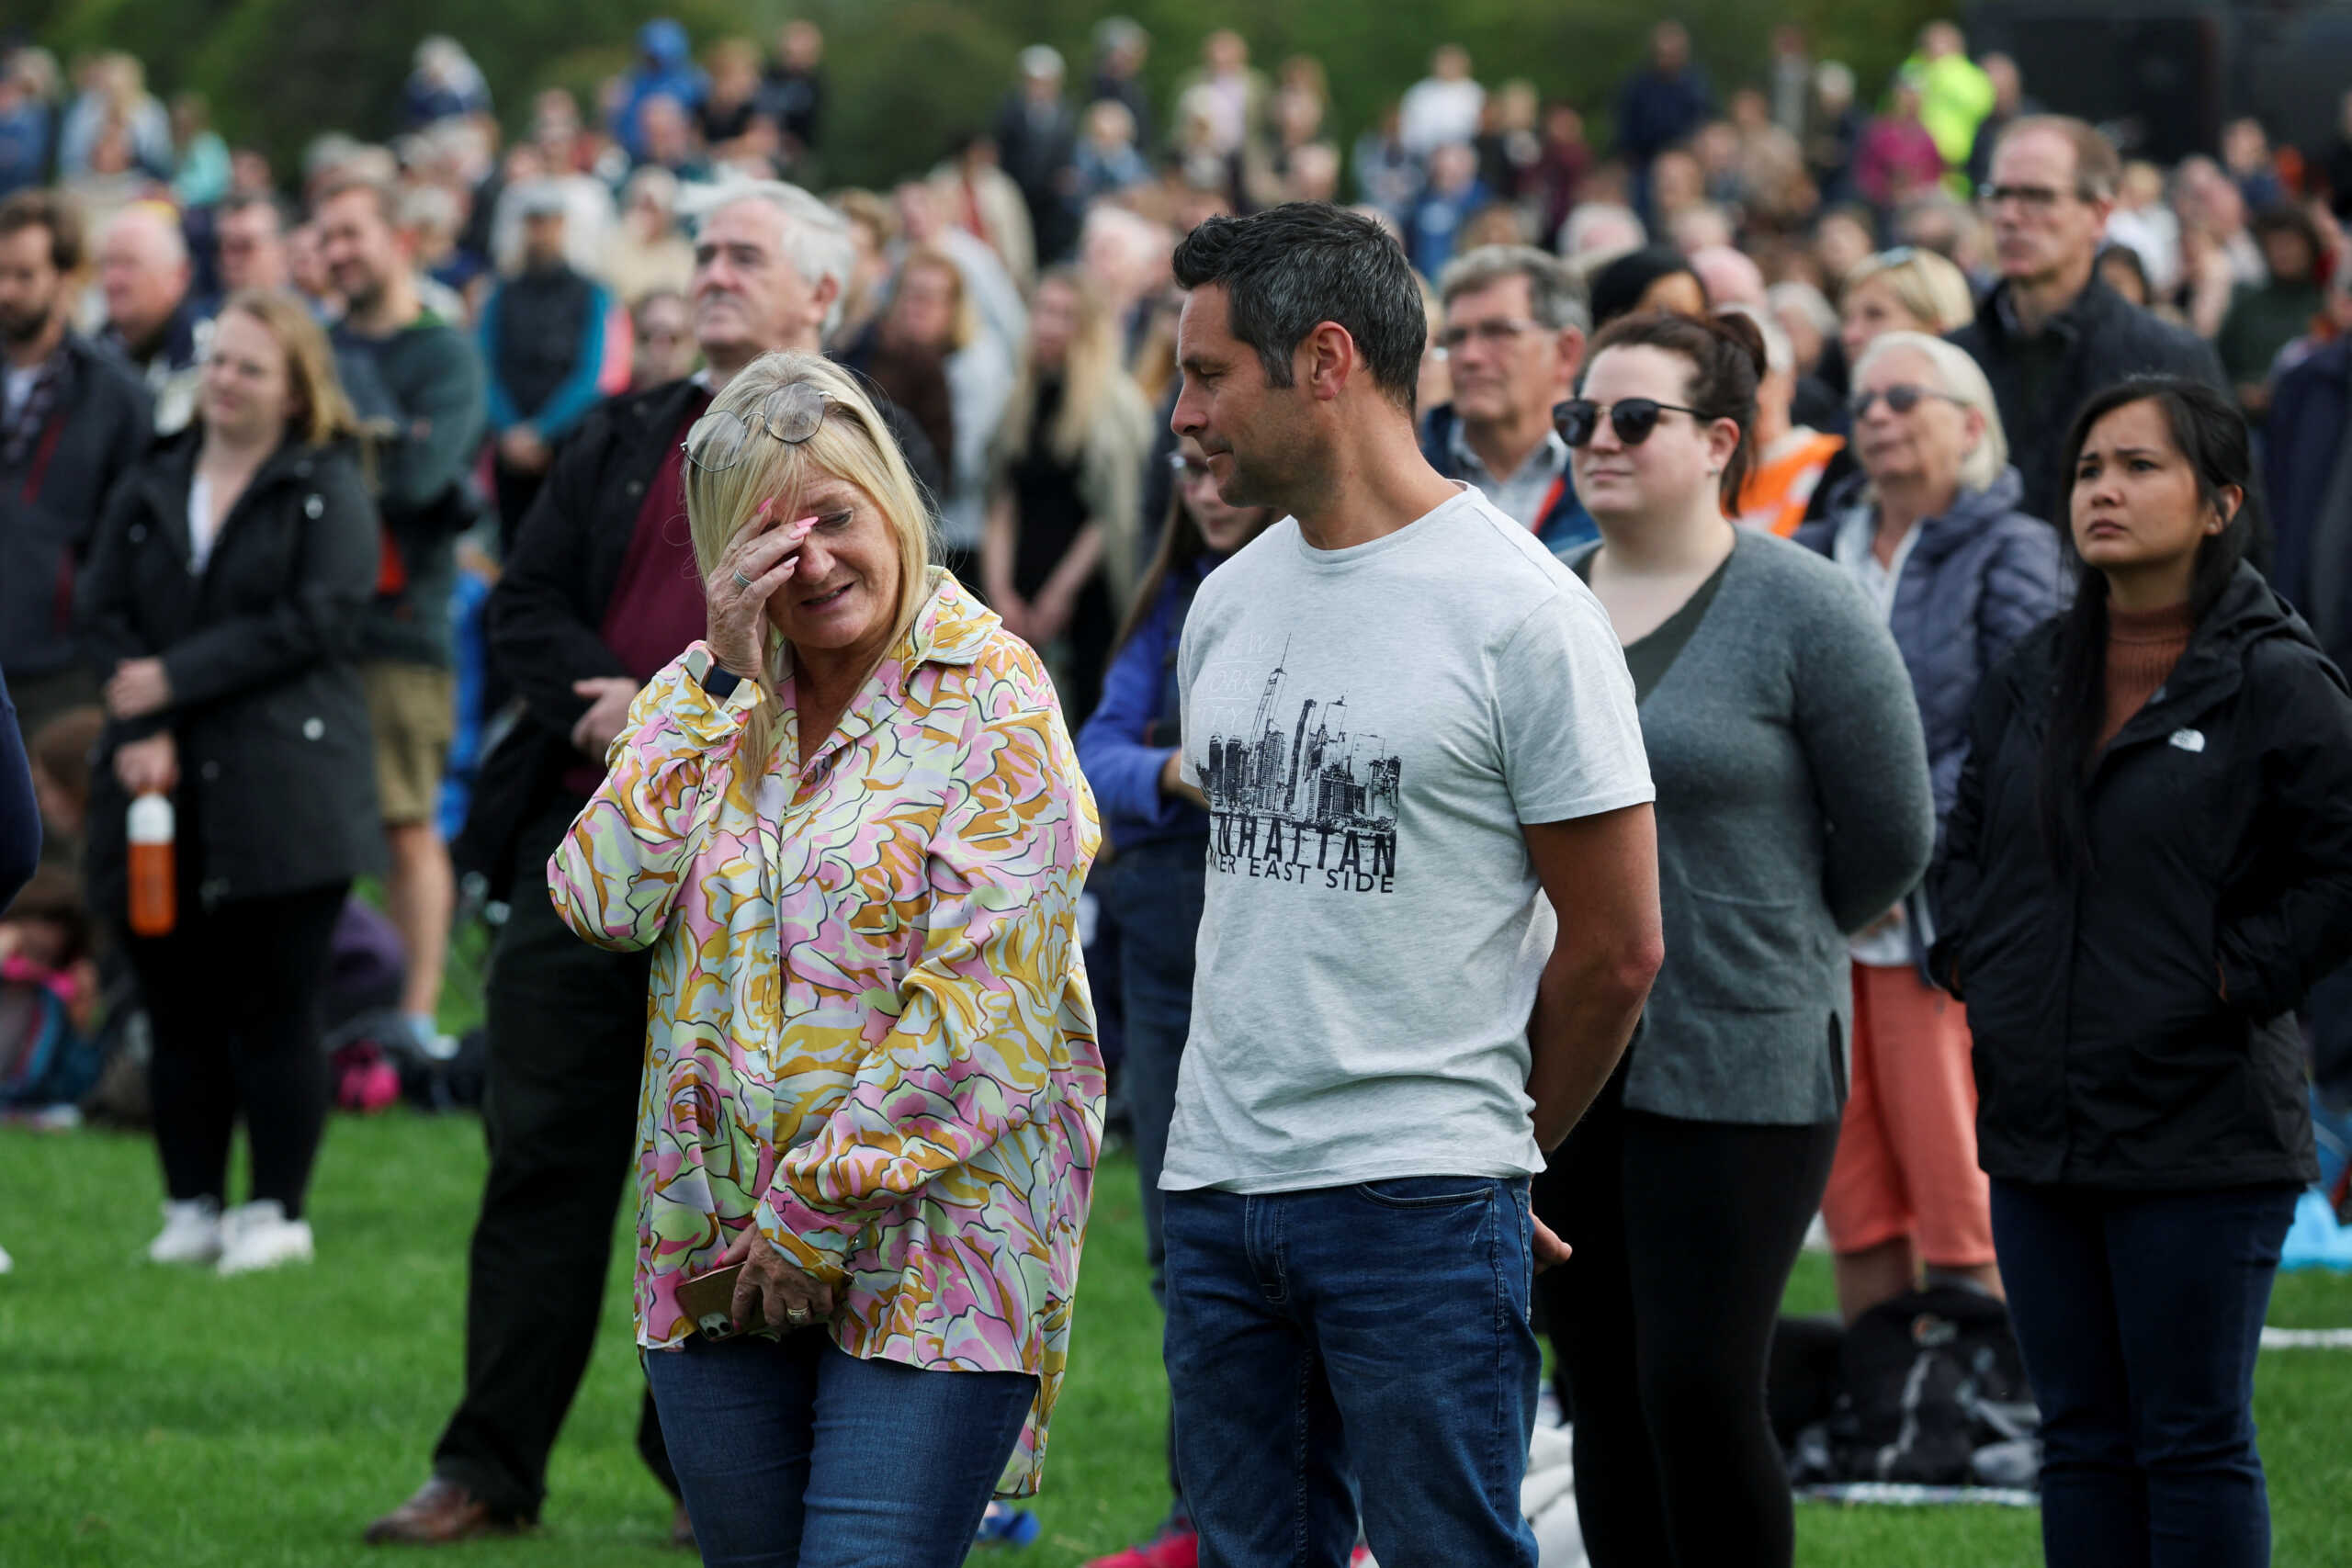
(1793, 808)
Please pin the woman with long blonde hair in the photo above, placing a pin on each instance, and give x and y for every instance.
(225, 586)
(850, 825)
(1060, 551)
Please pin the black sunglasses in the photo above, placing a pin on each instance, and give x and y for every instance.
(1901, 397)
(1633, 418)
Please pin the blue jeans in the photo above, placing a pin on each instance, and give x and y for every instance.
(1354, 1343)
(2140, 1315)
(794, 1454)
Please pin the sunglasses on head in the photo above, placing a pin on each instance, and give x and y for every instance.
(1578, 419)
(723, 437)
(1901, 397)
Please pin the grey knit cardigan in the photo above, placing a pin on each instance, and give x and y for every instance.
(1793, 808)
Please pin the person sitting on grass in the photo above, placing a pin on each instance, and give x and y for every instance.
(48, 996)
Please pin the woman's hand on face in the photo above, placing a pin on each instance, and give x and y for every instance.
(771, 1292)
(139, 688)
(149, 767)
(756, 566)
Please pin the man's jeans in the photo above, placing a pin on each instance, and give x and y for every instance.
(1347, 1348)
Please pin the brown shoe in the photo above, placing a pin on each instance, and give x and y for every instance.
(441, 1512)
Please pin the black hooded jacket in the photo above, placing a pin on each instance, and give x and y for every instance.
(2134, 1022)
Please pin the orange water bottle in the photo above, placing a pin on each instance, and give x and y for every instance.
(154, 880)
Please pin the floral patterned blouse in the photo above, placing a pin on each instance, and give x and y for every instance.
(869, 1032)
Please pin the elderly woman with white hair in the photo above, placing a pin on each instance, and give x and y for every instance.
(1930, 529)
(850, 824)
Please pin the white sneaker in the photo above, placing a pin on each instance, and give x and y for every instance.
(6, 1262)
(191, 1233)
(259, 1236)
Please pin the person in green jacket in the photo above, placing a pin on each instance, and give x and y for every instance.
(2266, 316)
(1955, 95)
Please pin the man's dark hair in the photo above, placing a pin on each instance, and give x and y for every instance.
(1290, 269)
(2285, 218)
(53, 212)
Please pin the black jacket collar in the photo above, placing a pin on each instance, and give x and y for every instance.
(2211, 669)
(2097, 305)
(165, 479)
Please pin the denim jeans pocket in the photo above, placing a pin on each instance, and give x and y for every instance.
(1428, 1191)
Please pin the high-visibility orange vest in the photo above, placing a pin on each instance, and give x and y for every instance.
(1775, 495)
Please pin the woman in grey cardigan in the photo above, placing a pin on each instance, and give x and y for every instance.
(1793, 808)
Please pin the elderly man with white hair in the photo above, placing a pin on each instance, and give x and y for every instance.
(600, 593)
(144, 278)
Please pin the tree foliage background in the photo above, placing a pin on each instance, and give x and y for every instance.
(906, 76)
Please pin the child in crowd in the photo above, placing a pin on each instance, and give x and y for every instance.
(49, 995)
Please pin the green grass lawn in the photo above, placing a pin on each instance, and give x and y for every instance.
(152, 1416)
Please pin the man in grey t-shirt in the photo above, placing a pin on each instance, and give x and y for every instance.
(1415, 735)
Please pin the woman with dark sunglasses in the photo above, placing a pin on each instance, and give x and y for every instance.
(1931, 531)
(2148, 865)
(1793, 808)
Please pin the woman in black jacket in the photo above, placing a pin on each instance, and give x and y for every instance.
(223, 588)
(2149, 864)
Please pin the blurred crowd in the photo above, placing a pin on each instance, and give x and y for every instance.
(1776, 191)
(468, 349)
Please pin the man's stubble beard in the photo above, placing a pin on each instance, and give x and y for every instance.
(19, 331)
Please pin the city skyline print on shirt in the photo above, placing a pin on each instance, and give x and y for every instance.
(1298, 791)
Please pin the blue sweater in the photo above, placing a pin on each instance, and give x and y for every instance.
(1133, 731)
(1981, 575)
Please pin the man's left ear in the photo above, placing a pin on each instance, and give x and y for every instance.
(1327, 357)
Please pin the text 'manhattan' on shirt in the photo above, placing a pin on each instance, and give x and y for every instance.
(1372, 727)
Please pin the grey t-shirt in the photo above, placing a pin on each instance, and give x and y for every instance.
(1372, 725)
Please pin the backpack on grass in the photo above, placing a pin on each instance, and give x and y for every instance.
(1930, 1377)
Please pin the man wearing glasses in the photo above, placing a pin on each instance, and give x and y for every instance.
(2051, 333)
(1513, 338)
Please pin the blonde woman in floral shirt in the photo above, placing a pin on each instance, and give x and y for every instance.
(852, 825)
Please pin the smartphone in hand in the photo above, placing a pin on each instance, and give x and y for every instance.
(708, 1301)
